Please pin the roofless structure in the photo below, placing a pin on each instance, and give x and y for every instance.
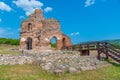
(37, 32)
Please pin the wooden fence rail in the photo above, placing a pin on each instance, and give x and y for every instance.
(102, 47)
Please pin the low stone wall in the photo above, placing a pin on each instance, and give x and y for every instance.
(62, 61)
(15, 59)
(55, 61)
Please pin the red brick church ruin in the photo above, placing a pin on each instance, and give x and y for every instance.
(37, 32)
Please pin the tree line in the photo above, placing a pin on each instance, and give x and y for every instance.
(9, 41)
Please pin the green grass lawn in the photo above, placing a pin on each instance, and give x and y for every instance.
(6, 49)
(34, 72)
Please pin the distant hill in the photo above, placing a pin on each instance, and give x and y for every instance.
(115, 42)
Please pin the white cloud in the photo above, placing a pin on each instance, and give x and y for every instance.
(28, 5)
(74, 34)
(77, 33)
(71, 34)
(48, 9)
(22, 17)
(0, 20)
(5, 7)
(89, 3)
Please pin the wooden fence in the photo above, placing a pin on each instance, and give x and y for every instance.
(102, 47)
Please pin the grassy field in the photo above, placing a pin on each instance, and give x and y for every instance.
(34, 72)
(6, 49)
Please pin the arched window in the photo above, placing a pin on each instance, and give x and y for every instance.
(53, 42)
(29, 27)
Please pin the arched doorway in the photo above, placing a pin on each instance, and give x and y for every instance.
(53, 42)
(29, 43)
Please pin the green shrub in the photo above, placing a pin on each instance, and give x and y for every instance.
(9, 41)
(53, 45)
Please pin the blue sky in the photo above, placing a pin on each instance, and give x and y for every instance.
(81, 20)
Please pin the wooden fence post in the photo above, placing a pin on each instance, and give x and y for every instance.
(106, 50)
(88, 49)
(73, 48)
(80, 46)
(98, 50)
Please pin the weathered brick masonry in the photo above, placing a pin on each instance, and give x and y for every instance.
(37, 32)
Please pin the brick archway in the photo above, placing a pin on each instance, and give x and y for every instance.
(53, 44)
(58, 42)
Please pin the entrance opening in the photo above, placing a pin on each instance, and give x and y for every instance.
(53, 42)
(29, 43)
(85, 53)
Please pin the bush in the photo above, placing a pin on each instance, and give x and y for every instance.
(53, 45)
(9, 41)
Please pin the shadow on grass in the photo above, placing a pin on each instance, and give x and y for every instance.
(110, 61)
(114, 63)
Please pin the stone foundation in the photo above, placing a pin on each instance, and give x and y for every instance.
(55, 61)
